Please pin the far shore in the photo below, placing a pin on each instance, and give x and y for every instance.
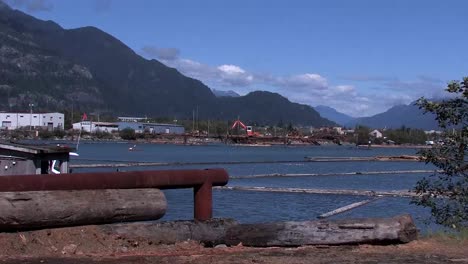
(210, 141)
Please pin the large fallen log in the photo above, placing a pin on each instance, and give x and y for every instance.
(210, 232)
(44, 209)
(400, 229)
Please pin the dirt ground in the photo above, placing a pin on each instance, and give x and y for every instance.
(89, 245)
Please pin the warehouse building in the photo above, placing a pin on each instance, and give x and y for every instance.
(48, 121)
(92, 127)
(153, 128)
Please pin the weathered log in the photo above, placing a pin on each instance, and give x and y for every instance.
(400, 229)
(210, 232)
(44, 209)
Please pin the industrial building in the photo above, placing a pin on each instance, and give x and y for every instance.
(131, 119)
(92, 127)
(153, 128)
(48, 121)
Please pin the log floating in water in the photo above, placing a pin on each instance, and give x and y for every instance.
(402, 193)
(400, 229)
(333, 174)
(376, 158)
(44, 209)
(345, 208)
(120, 163)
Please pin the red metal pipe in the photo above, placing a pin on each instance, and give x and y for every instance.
(203, 202)
(161, 179)
(201, 180)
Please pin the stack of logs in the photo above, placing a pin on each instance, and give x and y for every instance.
(110, 208)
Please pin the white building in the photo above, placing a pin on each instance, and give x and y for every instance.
(92, 127)
(376, 134)
(131, 119)
(338, 130)
(48, 121)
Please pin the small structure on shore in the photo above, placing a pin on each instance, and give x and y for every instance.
(376, 134)
(19, 159)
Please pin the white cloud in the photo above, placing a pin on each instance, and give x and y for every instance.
(345, 88)
(233, 75)
(307, 88)
(231, 69)
(308, 80)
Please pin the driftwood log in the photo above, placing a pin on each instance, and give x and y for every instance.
(211, 232)
(400, 229)
(45, 209)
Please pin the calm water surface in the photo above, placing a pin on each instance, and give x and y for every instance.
(251, 207)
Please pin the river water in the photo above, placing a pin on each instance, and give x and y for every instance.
(251, 206)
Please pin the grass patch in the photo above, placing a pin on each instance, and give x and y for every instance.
(448, 235)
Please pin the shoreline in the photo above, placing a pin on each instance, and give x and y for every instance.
(214, 142)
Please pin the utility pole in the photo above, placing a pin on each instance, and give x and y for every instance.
(193, 120)
(30, 116)
(197, 117)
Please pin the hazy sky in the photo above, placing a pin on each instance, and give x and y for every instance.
(360, 57)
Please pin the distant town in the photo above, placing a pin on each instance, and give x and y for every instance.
(23, 125)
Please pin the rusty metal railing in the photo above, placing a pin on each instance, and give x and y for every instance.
(201, 181)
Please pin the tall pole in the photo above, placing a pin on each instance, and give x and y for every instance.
(30, 116)
(197, 117)
(71, 114)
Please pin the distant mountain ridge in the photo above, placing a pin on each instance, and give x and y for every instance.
(398, 116)
(333, 115)
(55, 68)
(220, 93)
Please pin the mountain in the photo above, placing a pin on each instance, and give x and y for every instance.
(333, 115)
(220, 93)
(90, 70)
(398, 116)
(279, 109)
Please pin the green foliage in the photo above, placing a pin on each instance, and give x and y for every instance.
(59, 133)
(446, 192)
(104, 135)
(56, 133)
(45, 134)
(362, 135)
(406, 135)
(128, 134)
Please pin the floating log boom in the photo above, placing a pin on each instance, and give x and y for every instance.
(402, 193)
(345, 208)
(119, 163)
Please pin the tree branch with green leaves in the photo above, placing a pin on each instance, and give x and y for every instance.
(446, 191)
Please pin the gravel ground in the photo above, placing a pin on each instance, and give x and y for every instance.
(89, 245)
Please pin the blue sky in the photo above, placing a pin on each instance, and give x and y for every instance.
(360, 57)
